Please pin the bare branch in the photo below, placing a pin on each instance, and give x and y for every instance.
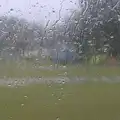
(47, 24)
(86, 8)
(61, 5)
(116, 5)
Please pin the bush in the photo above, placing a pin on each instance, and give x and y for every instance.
(98, 59)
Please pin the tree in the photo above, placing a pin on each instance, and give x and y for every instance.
(97, 22)
(19, 34)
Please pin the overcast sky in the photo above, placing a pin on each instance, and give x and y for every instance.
(37, 10)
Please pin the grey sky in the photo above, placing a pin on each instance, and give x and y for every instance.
(36, 9)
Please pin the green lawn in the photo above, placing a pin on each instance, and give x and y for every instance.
(91, 101)
(31, 69)
(26, 69)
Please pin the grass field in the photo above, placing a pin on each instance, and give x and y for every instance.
(30, 69)
(88, 101)
(91, 101)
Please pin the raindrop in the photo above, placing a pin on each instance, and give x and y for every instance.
(33, 5)
(65, 73)
(25, 97)
(37, 3)
(51, 65)
(9, 85)
(57, 118)
(102, 8)
(111, 36)
(10, 117)
(63, 82)
(39, 78)
(11, 9)
(23, 81)
(12, 48)
(76, 22)
(59, 99)
(118, 17)
(50, 86)
(22, 105)
(53, 11)
(37, 59)
(61, 88)
(16, 82)
(1, 21)
(64, 66)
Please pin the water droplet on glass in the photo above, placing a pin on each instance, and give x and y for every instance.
(22, 105)
(111, 36)
(102, 8)
(76, 22)
(53, 11)
(57, 118)
(33, 5)
(23, 82)
(63, 82)
(39, 78)
(25, 97)
(65, 73)
(15, 82)
(37, 3)
(118, 17)
(64, 66)
(10, 117)
(11, 9)
(37, 59)
(51, 65)
(1, 21)
(61, 88)
(59, 99)
(9, 85)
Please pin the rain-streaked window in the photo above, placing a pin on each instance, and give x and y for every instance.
(59, 59)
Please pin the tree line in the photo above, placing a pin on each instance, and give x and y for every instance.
(94, 28)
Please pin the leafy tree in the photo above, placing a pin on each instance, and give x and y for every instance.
(97, 23)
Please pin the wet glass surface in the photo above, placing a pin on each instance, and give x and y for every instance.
(59, 59)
